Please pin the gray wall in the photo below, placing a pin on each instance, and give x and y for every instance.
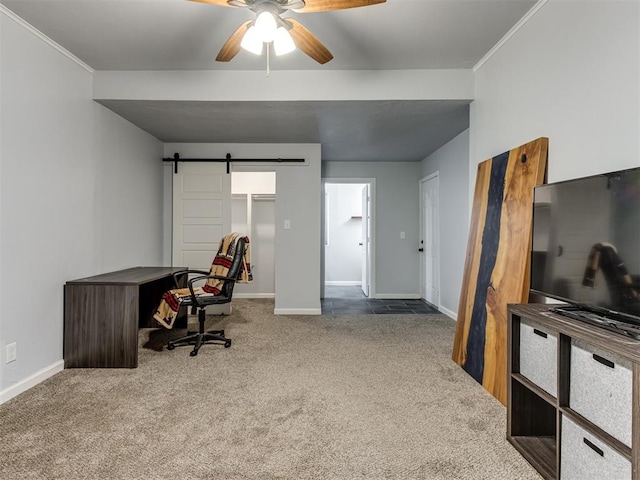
(571, 73)
(396, 210)
(452, 164)
(297, 271)
(80, 194)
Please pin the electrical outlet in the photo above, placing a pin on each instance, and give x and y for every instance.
(12, 352)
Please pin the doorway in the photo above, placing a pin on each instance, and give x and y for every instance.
(253, 200)
(347, 238)
(430, 239)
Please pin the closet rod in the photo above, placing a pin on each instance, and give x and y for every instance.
(176, 158)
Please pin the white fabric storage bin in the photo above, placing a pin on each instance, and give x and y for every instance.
(601, 390)
(585, 457)
(538, 357)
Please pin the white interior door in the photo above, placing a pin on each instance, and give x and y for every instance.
(201, 213)
(366, 244)
(429, 244)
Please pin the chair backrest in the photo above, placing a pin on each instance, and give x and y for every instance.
(234, 269)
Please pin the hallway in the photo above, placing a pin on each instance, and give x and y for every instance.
(350, 299)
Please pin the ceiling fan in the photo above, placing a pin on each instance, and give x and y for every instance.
(285, 33)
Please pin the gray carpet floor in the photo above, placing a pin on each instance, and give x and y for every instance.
(324, 397)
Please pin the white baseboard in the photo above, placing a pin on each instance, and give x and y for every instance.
(345, 283)
(452, 315)
(297, 311)
(31, 381)
(254, 295)
(397, 296)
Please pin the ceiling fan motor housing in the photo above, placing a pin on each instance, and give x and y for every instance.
(276, 6)
(288, 33)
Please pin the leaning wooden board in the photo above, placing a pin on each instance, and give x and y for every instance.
(496, 268)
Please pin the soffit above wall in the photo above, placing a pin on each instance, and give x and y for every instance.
(397, 130)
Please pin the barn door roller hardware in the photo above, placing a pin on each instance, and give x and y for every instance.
(176, 158)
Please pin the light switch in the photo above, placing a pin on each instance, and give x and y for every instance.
(402, 235)
(287, 224)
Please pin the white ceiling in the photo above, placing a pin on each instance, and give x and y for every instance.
(183, 35)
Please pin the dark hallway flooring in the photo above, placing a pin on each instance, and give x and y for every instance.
(350, 299)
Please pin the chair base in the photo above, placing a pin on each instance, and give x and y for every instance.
(199, 338)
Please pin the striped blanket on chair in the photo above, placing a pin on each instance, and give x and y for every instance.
(172, 300)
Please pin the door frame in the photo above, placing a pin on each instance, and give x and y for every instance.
(255, 168)
(365, 230)
(372, 244)
(423, 280)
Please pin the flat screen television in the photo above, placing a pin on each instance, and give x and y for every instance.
(586, 247)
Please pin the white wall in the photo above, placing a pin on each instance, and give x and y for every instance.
(253, 182)
(452, 164)
(284, 85)
(343, 254)
(298, 200)
(571, 73)
(128, 194)
(80, 194)
(2, 341)
(396, 210)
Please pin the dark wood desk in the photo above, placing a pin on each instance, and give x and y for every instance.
(102, 315)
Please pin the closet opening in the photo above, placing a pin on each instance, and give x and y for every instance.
(253, 201)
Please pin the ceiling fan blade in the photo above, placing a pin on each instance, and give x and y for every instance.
(307, 42)
(326, 5)
(232, 46)
(220, 3)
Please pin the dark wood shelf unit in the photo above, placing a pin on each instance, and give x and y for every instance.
(532, 425)
(102, 315)
(534, 388)
(539, 452)
(534, 417)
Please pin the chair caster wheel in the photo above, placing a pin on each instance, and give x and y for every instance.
(227, 344)
(193, 353)
(170, 346)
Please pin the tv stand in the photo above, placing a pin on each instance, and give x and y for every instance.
(613, 321)
(573, 396)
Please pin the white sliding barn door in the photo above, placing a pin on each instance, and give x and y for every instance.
(201, 213)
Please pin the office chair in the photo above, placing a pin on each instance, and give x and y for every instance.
(217, 291)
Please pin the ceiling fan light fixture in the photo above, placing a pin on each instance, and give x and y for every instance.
(283, 43)
(266, 25)
(252, 41)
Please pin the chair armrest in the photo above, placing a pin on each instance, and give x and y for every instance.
(207, 277)
(181, 273)
(203, 277)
